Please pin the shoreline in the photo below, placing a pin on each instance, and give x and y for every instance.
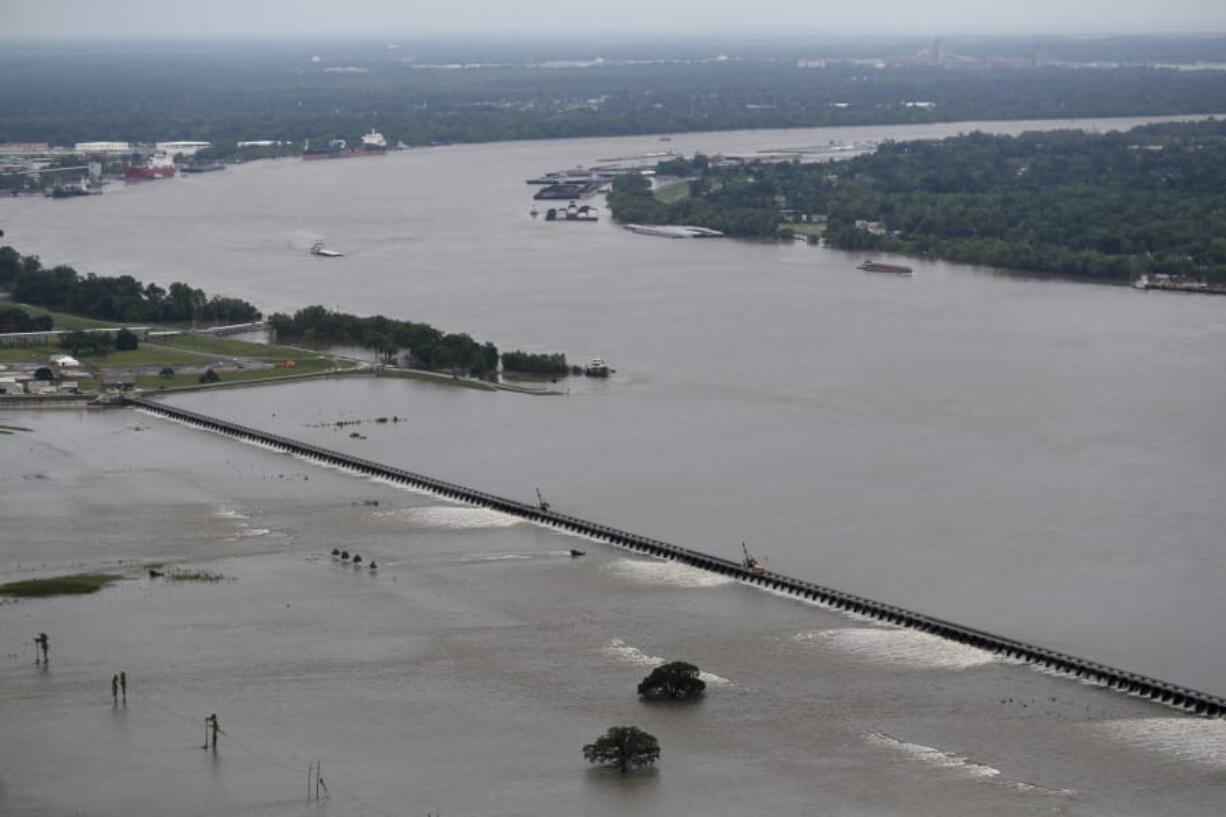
(88, 401)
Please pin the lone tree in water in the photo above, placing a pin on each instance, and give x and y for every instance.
(623, 747)
(676, 681)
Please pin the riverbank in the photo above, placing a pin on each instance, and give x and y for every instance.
(179, 360)
(981, 199)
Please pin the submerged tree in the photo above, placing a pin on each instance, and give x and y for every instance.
(623, 747)
(676, 680)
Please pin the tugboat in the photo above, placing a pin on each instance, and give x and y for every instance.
(597, 368)
(319, 249)
(751, 564)
(373, 143)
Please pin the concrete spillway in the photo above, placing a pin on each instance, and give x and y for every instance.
(1154, 689)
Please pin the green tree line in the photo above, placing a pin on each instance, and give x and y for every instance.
(225, 95)
(546, 364)
(122, 298)
(427, 347)
(1100, 205)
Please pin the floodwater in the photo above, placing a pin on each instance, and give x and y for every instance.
(464, 675)
(1034, 457)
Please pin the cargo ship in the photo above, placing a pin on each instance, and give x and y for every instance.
(874, 266)
(148, 171)
(373, 144)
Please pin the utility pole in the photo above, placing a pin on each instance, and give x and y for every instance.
(315, 780)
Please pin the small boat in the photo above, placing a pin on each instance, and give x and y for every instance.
(870, 265)
(534, 212)
(319, 249)
(576, 553)
(597, 368)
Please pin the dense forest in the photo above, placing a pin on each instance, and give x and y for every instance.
(122, 298)
(553, 365)
(1111, 205)
(298, 91)
(16, 319)
(426, 346)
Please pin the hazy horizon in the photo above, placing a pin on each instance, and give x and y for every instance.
(547, 19)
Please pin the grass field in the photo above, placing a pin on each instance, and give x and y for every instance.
(29, 354)
(76, 584)
(179, 350)
(805, 229)
(209, 344)
(673, 191)
(62, 320)
(305, 368)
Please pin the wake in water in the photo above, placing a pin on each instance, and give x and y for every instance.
(674, 574)
(1198, 740)
(450, 517)
(909, 648)
(958, 764)
(623, 653)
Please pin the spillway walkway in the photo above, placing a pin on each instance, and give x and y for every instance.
(1154, 689)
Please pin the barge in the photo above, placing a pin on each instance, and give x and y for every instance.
(876, 266)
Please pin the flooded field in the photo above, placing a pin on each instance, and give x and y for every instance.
(463, 676)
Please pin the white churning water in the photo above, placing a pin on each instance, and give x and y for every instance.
(912, 648)
(624, 653)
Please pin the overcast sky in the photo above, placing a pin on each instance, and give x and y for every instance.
(498, 18)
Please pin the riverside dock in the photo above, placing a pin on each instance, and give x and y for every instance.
(1159, 691)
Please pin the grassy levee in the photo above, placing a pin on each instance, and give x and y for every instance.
(63, 320)
(311, 367)
(673, 191)
(73, 585)
(213, 345)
